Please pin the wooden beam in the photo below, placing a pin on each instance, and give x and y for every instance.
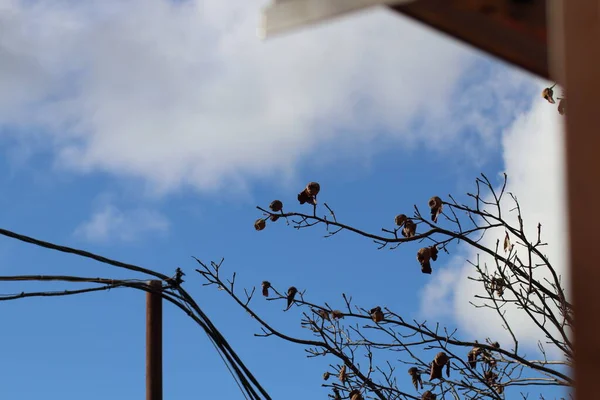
(514, 31)
(581, 24)
(283, 16)
(154, 386)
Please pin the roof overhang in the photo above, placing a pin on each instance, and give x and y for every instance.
(513, 30)
(286, 15)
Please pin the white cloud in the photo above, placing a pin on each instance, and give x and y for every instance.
(111, 224)
(183, 93)
(534, 162)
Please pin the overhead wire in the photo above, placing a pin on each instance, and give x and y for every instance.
(241, 373)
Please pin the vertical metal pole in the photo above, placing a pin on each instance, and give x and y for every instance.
(154, 390)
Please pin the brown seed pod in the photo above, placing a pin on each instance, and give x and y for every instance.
(337, 314)
(290, 296)
(423, 256)
(274, 217)
(496, 345)
(336, 394)
(355, 395)
(260, 224)
(435, 371)
(342, 376)
(433, 250)
(309, 194)
(506, 242)
(497, 285)
(441, 358)
(313, 189)
(276, 206)
(265, 288)
(410, 228)
(435, 204)
(400, 219)
(472, 356)
(562, 106)
(323, 314)
(326, 375)
(416, 377)
(376, 314)
(547, 94)
(490, 377)
(427, 395)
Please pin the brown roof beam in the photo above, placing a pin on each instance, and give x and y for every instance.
(512, 30)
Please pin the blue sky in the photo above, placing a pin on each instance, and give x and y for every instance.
(155, 162)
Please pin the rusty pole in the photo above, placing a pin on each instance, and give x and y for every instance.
(154, 390)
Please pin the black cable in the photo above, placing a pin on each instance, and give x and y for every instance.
(225, 351)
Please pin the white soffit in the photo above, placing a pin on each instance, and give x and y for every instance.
(285, 15)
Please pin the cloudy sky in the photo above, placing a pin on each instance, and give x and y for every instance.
(147, 130)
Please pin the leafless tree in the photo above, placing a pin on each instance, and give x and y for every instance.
(403, 353)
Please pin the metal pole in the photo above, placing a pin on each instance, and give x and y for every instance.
(154, 390)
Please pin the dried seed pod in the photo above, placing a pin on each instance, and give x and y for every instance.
(304, 197)
(290, 296)
(435, 204)
(427, 395)
(423, 256)
(260, 224)
(313, 188)
(276, 206)
(336, 394)
(265, 288)
(400, 219)
(562, 106)
(326, 375)
(337, 314)
(436, 371)
(490, 377)
(273, 217)
(416, 377)
(496, 345)
(472, 356)
(497, 285)
(433, 250)
(410, 228)
(355, 395)
(309, 194)
(441, 358)
(323, 314)
(376, 314)
(547, 94)
(506, 242)
(499, 388)
(342, 375)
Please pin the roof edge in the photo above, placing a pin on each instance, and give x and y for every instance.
(287, 15)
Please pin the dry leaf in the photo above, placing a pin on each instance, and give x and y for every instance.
(265, 288)
(435, 204)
